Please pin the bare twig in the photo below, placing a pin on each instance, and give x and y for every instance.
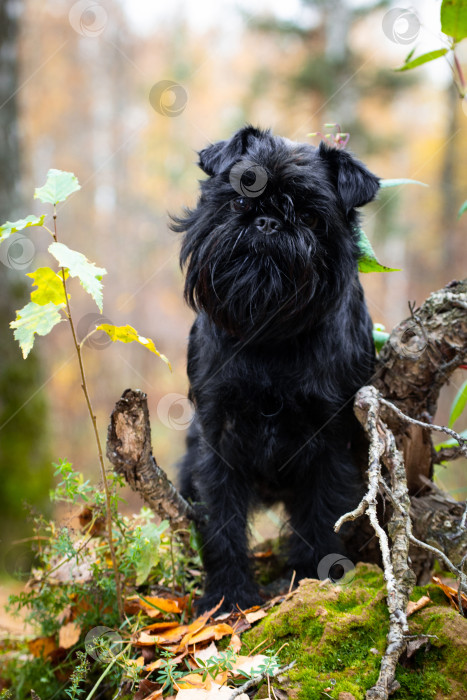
(257, 679)
(429, 426)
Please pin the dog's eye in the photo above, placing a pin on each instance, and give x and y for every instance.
(310, 220)
(240, 205)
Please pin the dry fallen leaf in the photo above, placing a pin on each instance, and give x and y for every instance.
(248, 663)
(211, 632)
(154, 606)
(412, 606)
(172, 635)
(159, 662)
(68, 635)
(148, 690)
(255, 616)
(235, 643)
(42, 646)
(205, 654)
(451, 594)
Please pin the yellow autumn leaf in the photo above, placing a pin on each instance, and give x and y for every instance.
(127, 334)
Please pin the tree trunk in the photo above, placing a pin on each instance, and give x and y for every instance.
(23, 419)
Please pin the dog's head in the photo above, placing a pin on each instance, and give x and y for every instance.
(272, 244)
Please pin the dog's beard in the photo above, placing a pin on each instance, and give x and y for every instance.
(261, 286)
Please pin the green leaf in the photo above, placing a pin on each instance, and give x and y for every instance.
(368, 261)
(10, 227)
(400, 181)
(380, 336)
(58, 186)
(79, 266)
(34, 318)
(454, 18)
(49, 286)
(148, 549)
(127, 334)
(424, 58)
(458, 404)
(450, 443)
(462, 210)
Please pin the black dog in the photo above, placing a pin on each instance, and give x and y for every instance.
(281, 343)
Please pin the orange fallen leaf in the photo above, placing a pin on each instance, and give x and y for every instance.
(413, 606)
(139, 662)
(68, 635)
(197, 625)
(154, 606)
(180, 633)
(42, 646)
(154, 665)
(211, 632)
(195, 680)
(169, 637)
(451, 594)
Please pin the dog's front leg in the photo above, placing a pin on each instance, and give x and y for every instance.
(225, 495)
(330, 486)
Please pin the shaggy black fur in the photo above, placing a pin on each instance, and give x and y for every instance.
(281, 343)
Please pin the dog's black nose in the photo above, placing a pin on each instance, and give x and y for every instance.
(267, 224)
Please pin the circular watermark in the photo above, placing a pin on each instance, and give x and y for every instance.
(409, 340)
(85, 327)
(17, 252)
(337, 568)
(103, 644)
(88, 18)
(401, 26)
(168, 98)
(248, 178)
(175, 411)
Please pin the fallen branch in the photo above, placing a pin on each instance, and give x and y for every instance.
(398, 576)
(369, 407)
(129, 450)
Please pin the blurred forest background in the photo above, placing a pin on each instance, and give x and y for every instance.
(75, 82)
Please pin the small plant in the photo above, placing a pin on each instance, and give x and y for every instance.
(454, 28)
(168, 674)
(78, 675)
(50, 304)
(217, 664)
(81, 575)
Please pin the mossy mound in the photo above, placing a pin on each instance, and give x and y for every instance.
(337, 635)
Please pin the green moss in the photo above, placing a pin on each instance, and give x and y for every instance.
(337, 636)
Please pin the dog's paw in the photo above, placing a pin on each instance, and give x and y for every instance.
(232, 601)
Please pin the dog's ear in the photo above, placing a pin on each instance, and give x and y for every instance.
(222, 154)
(355, 184)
